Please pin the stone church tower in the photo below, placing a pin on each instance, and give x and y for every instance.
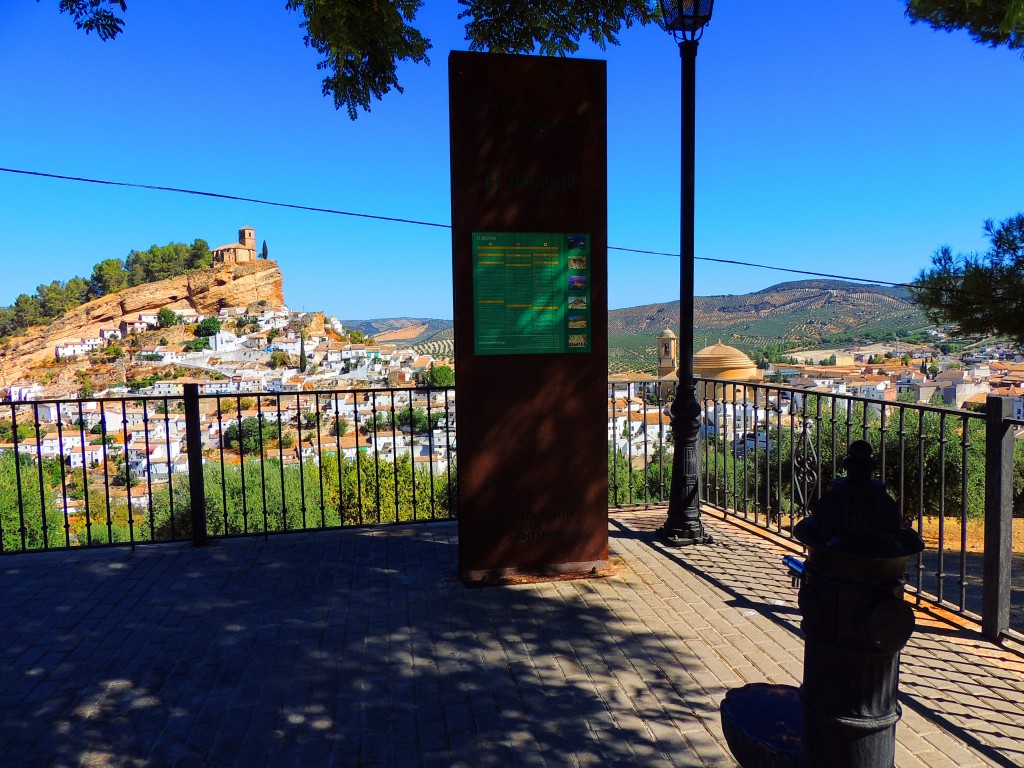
(668, 361)
(237, 253)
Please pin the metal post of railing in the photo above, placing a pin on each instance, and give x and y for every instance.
(995, 601)
(194, 446)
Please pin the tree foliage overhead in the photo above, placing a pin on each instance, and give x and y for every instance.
(994, 22)
(980, 293)
(550, 27)
(362, 43)
(97, 16)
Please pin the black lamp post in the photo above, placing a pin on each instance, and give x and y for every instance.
(686, 20)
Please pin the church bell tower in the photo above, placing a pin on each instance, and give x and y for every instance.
(668, 362)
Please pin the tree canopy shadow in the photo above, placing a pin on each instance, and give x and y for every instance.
(350, 648)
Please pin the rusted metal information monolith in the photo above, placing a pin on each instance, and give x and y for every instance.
(529, 178)
(856, 623)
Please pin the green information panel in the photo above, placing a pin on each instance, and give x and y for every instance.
(531, 293)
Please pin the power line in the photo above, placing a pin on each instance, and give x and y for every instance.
(735, 262)
(399, 220)
(220, 196)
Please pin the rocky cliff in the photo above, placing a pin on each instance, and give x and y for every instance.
(233, 285)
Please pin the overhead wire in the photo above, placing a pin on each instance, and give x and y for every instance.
(417, 222)
(220, 196)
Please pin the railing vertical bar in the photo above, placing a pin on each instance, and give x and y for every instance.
(319, 458)
(222, 442)
(881, 441)
(778, 465)
(705, 470)
(106, 477)
(14, 429)
(901, 436)
(430, 452)
(128, 472)
(849, 424)
(730, 451)
(817, 443)
(661, 443)
(394, 449)
(719, 428)
(941, 575)
(451, 510)
(263, 463)
(832, 434)
(722, 448)
(629, 445)
(302, 473)
(280, 463)
(149, 475)
(452, 501)
(647, 491)
(792, 462)
(997, 581)
(964, 446)
(412, 455)
(170, 475)
(63, 477)
(614, 458)
(85, 472)
(194, 448)
(359, 478)
(337, 444)
(241, 464)
(757, 452)
(39, 466)
(735, 457)
(920, 499)
(17, 476)
(376, 456)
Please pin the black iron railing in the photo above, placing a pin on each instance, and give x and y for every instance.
(770, 451)
(136, 470)
(190, 466)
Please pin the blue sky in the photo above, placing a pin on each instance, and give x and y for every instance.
(832, 140)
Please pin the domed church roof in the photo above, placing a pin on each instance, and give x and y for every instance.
(723, 362)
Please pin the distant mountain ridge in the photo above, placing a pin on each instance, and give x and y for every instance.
(410, 330)
(800, 312)
(797, 310)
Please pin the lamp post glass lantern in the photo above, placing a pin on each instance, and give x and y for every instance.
(686, 20)
(688, 17)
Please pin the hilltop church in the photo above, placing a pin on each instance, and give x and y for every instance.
(240, 252)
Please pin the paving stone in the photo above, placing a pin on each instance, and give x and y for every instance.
(320, 649)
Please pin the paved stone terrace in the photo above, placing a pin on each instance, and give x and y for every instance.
(360, 648)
